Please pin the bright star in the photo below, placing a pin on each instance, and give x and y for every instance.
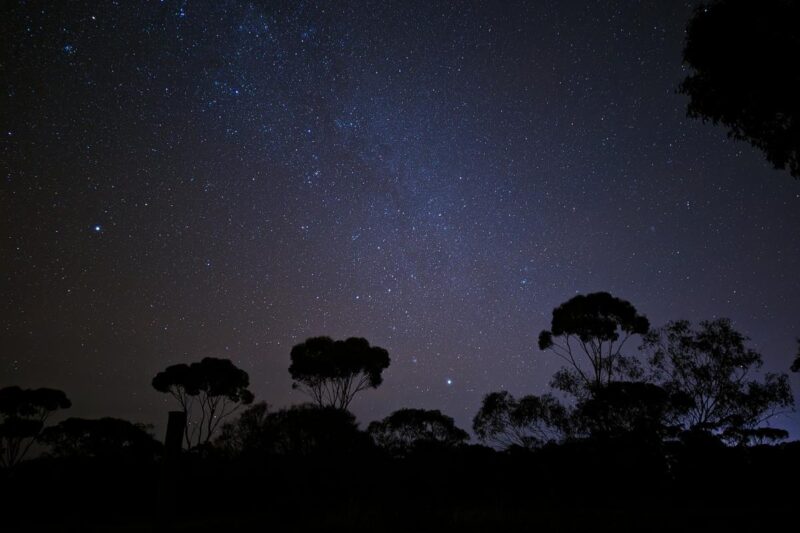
(97, 228)
(449, 381)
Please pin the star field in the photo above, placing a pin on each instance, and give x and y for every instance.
(185, 179)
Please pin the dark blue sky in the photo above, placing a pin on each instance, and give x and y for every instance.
(227, 178)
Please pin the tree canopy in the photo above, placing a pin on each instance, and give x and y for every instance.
(592, 329)
(246, 433)
(744, 60)
(103, 437)
(528, 422)
(713, 366)
(215, 387)
(641, 410)
(407, 430)
(301, 430)
(333, 372)
(23, 413)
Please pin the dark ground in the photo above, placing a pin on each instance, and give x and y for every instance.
(580, 487)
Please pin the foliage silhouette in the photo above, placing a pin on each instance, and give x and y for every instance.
(103, 437)
(593, 329)
(643, 411)
(744, 60)
(529, 422)
(333, 372)
(407, 430)
(796, 363)
(758, 436)
(713, 366)
(215, 386)
(247, 432)
(301, 430)
(24, 413)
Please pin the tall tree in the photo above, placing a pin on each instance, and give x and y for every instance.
(715, 368)
(23, 413)
(406, 430)
(745, 76)
(333, 372)
(589, 332)
(216, 388)
(528, 422)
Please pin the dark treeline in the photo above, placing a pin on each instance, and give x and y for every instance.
(645, 428)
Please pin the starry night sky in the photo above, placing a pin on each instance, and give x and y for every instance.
(183, 179)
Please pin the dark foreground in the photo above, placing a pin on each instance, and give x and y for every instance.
(576, 487)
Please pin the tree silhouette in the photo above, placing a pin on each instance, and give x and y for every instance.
(301, 430)
(245, 433)
(744, 55)
(593, 329)
(311, 430)
(333, 372)
(645, 411)
(714, 367)
(104, 437)
(408, 429)
(24, 413)
(796, 363)
(216, 387)
(528, 422)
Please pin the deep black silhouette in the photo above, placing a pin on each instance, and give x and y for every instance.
(591, 330)
(713, 366)
(529, 422)
(247, 433)
(407, 430)
(744, 60)
(301, 430)
(103, 437)
(176, 429)
(642, 411)
(24, 413)
(333, 372)
(214, 387)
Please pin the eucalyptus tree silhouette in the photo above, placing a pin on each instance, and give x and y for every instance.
(23, 414)
(103, 437)
(216, 387)
(333, 372)
(247, 432)
(713, 366)
(528, 422)
(407, 430)
(744, 60)
(308, 429)
(593, 329)
(301, 430)
(643, 411)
